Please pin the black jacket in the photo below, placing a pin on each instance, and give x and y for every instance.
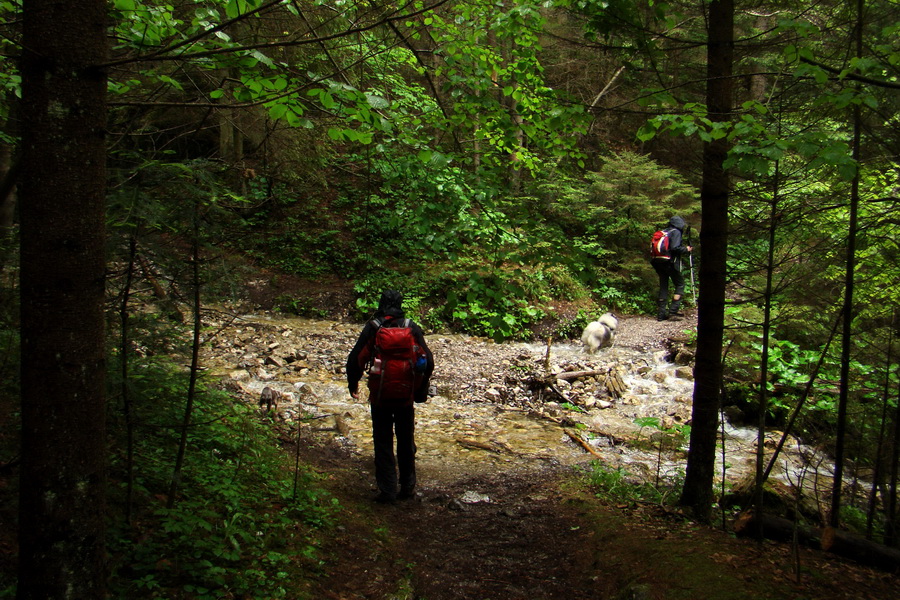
(356, 366)
(675, 228)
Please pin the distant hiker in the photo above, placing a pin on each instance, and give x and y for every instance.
(392, 349)
(666, 251)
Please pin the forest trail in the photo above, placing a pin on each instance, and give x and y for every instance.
(489, 523)
(537, 533)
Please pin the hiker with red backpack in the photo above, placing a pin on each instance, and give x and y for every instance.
(392, 349)
(666, 251)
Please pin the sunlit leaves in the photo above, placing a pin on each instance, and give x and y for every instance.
(236, 8)
(144, 25)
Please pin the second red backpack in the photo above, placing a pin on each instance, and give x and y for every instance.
(659, 244)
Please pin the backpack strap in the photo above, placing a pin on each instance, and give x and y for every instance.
(391, 322)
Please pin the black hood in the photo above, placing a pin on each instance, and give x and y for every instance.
(677, 222)
(390, 299)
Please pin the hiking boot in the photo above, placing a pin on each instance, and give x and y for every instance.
(385, 498)
(661, 313)
(406, 493)
(675, 313)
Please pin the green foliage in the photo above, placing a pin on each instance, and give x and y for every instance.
(492, 304)
(492, 266)
(619, 486)
(854, 519)
(300, 306)
(237, 528)
(571, 328)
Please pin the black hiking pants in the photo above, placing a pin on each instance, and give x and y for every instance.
(668, 270)
(385, 422)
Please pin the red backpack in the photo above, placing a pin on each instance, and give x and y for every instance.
(393, 376)
(659, 244)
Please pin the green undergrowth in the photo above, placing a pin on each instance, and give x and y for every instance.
(655, 551)
(245, 522)
(501, 303)
(619, 486)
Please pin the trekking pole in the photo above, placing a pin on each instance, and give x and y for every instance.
(691, 265)
(693, 289)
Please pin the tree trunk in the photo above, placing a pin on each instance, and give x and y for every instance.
(698, 494)
(878, 461)
(62, 194)
(8, 175)
(125, 352)
(195, 360)
(892, 526)
(849, 313)
(836, 541)
(9, 165)
(764, 361)
(751, 523)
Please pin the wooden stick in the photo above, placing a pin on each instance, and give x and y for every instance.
(582, 443)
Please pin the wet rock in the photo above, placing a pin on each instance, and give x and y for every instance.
(492, 393)
(684, 357)
(275, 362)
(685, 373)
(305, 391)
(472, 497)
(239, 375)
(735, 415)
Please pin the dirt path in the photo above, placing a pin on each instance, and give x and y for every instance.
(543, 535)
(519, 544)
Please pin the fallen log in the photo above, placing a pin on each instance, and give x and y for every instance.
(775, 528)
(856, 547)
(567, 375)
(614, 383)
(612, 380)
(836, 541)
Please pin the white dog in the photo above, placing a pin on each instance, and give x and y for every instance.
(600, 333)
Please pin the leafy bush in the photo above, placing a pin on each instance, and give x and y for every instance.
(238, 528)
